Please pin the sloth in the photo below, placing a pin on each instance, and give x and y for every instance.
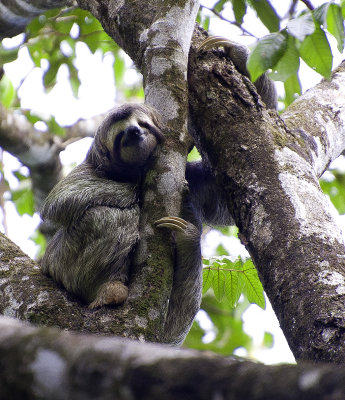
(95, 211)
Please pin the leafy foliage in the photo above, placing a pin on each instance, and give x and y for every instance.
(226, 333)
(7, 92)
(23, 196)
(50, 37)
(230, 279)
(302, 35)
(305, 36)
(335, 188)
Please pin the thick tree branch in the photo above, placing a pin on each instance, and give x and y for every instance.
(319, 118)
(16, 14)
(39, 151)
(64, 366)
(284, 219)
(26, 294)
(270, 174)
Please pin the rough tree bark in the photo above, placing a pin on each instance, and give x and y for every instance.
(46, 363)
(284, 220)
(271, 180)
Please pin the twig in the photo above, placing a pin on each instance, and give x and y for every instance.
(308, 4)
(227, 20)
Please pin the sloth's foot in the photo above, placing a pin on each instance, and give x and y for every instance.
(114, 292)
(235, 51)
(179, 225)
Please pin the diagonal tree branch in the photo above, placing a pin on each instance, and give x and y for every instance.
(39, 151)
(271, 180)
(16, 14)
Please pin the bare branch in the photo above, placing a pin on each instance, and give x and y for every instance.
(52, 364)
(235, 23)
(319, 118)
(16, 14)
(308, 4)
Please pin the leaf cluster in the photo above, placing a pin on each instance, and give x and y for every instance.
(229, 279)
(52, 39)
(297, 36)
(303, 37)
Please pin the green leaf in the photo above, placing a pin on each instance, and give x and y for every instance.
(232, 287)
(342, 5)
(239, 8)
(32, 118)
(24, 200)
(40, 240)
(219, 284)
(219, 5)
(8, 55)
(266, 13)
(221, 250)
(268, 340)
(64, 24)
(227, 328)
(7, 92)
(316, 52)
(206, 22)
(288, 64)
(252, 286)
(49, 77)
(194, 155)
(266, 53)
(335, 24)
(207, 279)
(73, 78)
(335, 189)
(119, 68)
(292, 88)
(302, 26)
(54, 127)
(34, 27)
(20, 176)
(36, 52)
(320, 13)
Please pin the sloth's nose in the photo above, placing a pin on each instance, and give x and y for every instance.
(134, 131)
(132, 135)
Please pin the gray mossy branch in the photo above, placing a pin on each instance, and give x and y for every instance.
(60, 365)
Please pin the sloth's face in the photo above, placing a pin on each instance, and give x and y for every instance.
(133, 138)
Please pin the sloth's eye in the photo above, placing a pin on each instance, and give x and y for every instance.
(144, 124)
